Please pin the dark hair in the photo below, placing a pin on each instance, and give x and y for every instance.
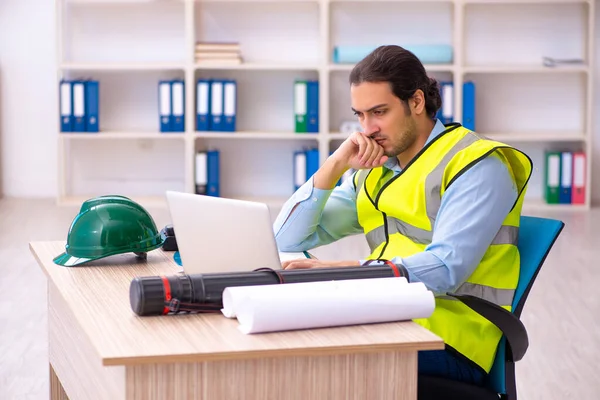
(404, 72)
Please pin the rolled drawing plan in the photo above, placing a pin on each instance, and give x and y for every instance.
(333, 303)
(233, 296)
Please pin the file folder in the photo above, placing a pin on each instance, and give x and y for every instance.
(164, 105)
(312, 162)
(178, 106)
(468, 118)
(213, 175)
(92, 105)
(312, 109)
(447, 110)
(299, 169)
(300, 99)
(201, 175)
(79, 106)
(552, 176)
(203, 104)
(230, 105)
(66, 106)
(566, 177)
(216, 105)
(579, 178)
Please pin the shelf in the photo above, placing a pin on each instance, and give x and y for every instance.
(428, 67)
(533, 205)
(525, 1)
(107, 66)
(122, 135)
(257, 67)
(239, 135)
(533, 69)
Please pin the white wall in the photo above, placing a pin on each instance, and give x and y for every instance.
(28, 98)
(28, 95)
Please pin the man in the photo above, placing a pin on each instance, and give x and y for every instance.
(439, 201)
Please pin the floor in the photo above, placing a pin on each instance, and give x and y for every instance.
(562, 314)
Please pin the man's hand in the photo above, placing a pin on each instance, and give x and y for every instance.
(358, 152)
(306, 263)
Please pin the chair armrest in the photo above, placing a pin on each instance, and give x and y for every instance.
(511, 326)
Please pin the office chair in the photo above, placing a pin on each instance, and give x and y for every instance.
(536, 238)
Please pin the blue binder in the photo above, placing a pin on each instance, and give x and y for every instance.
(78, 110)
(213, 184)
(312, 107)
(446, 112)
(177, 105)
(566, 178)
(203, 104)
(92, 105)
(164, 105)
(312, 162)
(66, 106)
(468, 118)
(229, 105)
(216, 105)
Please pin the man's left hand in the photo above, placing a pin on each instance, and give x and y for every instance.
(306, 263)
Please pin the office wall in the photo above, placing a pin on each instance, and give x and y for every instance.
(28, 100)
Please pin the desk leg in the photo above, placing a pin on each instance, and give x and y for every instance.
(57, 392)
(381, 376)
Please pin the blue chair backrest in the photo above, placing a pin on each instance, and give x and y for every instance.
(536, 238)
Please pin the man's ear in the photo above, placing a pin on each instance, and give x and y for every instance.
(417, 102)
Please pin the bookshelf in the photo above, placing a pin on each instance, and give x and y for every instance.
(498, 44)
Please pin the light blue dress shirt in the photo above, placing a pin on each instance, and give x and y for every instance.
(471, 213)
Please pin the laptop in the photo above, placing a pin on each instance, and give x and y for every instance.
(216, 234)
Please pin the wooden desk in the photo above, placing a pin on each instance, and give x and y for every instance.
(99, 349)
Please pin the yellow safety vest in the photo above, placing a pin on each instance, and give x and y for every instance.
(398, 220)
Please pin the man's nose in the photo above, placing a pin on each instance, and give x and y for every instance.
(369, 128)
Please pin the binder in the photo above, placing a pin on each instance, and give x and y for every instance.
(78, 106)
(164, 105)
(216, 105)
(299, 169)
(312, 107)
(201, 175)
(92, 105)
(579, 178)
(213, 175)
(300, 99)
(552, 177)
(66, 106)
(447, 110)
(312, 162)
(229, 105)
(178, 105)
(566, 177)
(468, 118)
(202, 104)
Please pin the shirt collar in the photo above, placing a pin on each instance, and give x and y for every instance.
(438, 128)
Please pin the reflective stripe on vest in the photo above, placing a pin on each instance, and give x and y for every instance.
(507, 234)
(500, 297)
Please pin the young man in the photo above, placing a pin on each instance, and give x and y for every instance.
(441, 202)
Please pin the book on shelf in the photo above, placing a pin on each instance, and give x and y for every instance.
(565, 177)
(218, 53)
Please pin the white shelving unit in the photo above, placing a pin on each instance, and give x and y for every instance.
(128, 46)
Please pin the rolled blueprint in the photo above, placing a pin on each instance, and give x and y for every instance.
(310, 305)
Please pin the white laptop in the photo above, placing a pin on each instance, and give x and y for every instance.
(216, 234)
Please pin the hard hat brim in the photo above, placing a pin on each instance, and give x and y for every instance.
(67, 260)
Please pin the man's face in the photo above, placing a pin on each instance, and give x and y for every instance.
(383, 116)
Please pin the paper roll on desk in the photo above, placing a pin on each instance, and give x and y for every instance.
(427, 53)
(270, 308)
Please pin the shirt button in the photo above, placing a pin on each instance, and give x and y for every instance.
(314, 199)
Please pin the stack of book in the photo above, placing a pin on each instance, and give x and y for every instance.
(218, 53)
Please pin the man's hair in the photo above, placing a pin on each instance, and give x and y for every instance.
(403, 71)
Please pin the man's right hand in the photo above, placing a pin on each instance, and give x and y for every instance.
(358, 152)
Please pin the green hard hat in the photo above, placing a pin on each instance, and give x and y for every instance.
(109, 225)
